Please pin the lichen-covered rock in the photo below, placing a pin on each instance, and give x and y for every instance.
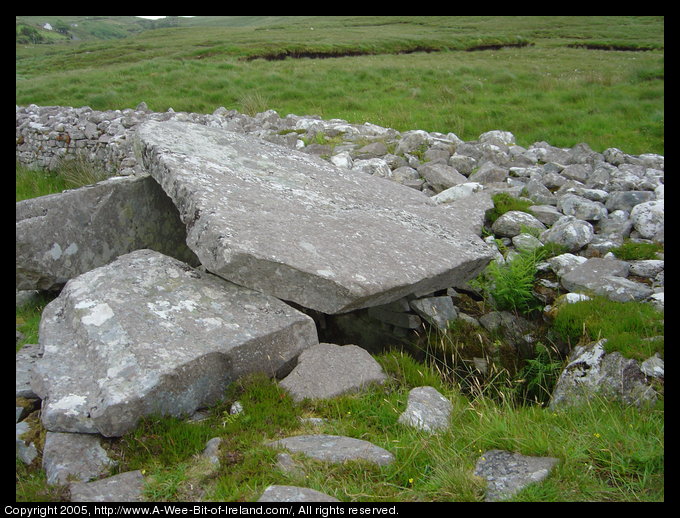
(592, 372)
(427, 410)
(507, 473)
(62, 235)
(327, 370)
(148, 334)
(299, 228)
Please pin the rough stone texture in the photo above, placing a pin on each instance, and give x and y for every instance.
(441, 176)
(591, 371)
(327, 370)
(296, 227)
(507, 473)
(510, 224)
(25, 452)
(60, 236)
(26, 358)
(124, 487)
(569, 231)
(335, 448)
(648, 219)
(74, 457)
(294, 494)
(148, 334)
(605, 277)
(438, 311)
(427, 410)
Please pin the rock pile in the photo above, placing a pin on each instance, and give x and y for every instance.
(360, 228)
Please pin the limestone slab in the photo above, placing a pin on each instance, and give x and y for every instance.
(148, 334)
(328, 370)
(73, 456)
(124, 487)
(60, 236)
(302, 229)
(507, 472)
(335, 448)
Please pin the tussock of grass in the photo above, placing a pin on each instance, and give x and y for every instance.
(631, 251)
(635, 329)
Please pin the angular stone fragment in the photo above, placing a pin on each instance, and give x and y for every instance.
(74, 456)
(438, 311)
(60, 236)
(507, 473)
(335, 448)
(427, 410)
(328, 370)
(301, 229)
(148, 334)
(605, 277)
(124, 487)
(591, 371)
(25, 361)
(512, 222)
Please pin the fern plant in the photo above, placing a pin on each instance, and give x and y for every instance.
(536, 380)
(509, 286)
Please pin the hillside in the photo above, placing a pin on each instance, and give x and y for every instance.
(560, 79)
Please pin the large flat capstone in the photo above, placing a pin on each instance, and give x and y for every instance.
(302, 229)
(147, 334)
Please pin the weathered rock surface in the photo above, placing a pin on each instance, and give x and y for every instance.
(60, 236)
(296, 227)
(294, 494)
(427, 410)
(592, 372)
(25, 362)
(507, 473)
(148, 334)
(73, 456)
(124, 487)
(327, 370)
(606, 277)
(335, 448)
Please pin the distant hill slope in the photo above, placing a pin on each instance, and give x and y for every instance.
(86, 28)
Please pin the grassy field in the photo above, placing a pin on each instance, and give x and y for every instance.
(546, 90)
(405, 73)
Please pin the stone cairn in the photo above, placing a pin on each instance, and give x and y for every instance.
(237, 242)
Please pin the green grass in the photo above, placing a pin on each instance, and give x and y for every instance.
(606, 452)
(542, 92)
(69, 174)
(504, 202)
(631, 251)
(628, 327)
(31, 182)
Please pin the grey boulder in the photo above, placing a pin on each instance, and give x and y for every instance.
(60, 236)
(327, 370)
(68, 456)
(427, 410)
(124, 487)
(148, 334)
(592, 372)
(507, 473)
